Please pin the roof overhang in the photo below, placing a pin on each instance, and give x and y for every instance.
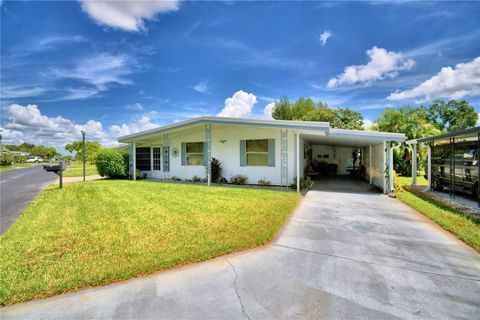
(319, 132)
(446, 135)
(353, 138)
(300, 125)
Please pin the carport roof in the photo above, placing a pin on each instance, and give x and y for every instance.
(353, 138)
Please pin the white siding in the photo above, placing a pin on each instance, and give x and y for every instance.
(378, 165)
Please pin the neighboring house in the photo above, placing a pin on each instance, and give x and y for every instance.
(276, 150)
(20, 153)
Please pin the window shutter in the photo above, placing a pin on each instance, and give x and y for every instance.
(184, 154)
(271, 152)
(243, 149)
(205, 155)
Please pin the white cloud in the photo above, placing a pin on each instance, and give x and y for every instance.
(135, 107)
(201, 87)
(240, 105)
(268, 110)
(382, 64)
(367, 123)
(127, 15)
(9, 92)
(452, 83)
(28, 124)
(324, 37)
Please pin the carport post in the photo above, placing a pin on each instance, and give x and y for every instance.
(370, 168)
(298, 161)
(414, 164)
(134, 160)
(390, 168)
(429, 167)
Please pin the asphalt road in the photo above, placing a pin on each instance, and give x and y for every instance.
(17, 189)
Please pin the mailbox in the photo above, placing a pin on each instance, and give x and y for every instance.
(57, 168)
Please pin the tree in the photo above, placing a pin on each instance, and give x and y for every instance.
(308, 110)
(414, 123)
(452, 115)
(347, 119)
(91, 149)
(40, 151)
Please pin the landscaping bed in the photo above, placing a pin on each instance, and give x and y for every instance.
(98, 232)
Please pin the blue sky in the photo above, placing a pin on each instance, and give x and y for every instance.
(119, 67)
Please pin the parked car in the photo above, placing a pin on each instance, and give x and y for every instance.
(464, 166)
(34, 160)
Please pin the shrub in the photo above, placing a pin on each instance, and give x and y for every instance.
(306, 183)
(19, 158)
(264, 183)
(396, 185)
(216, 170)
(196, 179)
(238, 179)
(6, 158)
(174, 178)
(111, 163)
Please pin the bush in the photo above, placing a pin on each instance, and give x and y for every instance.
(238, 179)
(175, 178)
(306, 183)
(6, 158)
(216, 170)
(111, 163)
(196, 179)
(18, 158)
(264, 183)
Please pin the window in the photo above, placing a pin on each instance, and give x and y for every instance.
(257, 152)
(194, 153)
(143, 159)
(157, 158)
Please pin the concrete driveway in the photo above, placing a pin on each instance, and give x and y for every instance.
(17, 189)
(342, 255)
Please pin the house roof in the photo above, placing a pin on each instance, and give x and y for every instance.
(310, 126)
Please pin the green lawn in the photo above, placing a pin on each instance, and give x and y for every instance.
(75, 169)
(97, 232)
(17, 166)
(461, 225)
(406, 181)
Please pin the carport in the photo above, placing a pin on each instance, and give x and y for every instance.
(334, 158)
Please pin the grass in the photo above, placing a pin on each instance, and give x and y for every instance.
(75, 169)
(98, 232)
(463, 226)
(17, 166)
(405, 181)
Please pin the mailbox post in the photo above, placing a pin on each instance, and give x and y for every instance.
(57, 169)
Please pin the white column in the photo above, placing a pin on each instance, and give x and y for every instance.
(390, 169)
(298, 162)
(384, 166)
(370, 166)
(414, 164)
(429, 167)
(134, 160)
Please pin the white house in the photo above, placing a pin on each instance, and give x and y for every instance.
(276, 150)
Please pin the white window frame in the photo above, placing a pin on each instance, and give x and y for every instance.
(193, 153)
(255, 152)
